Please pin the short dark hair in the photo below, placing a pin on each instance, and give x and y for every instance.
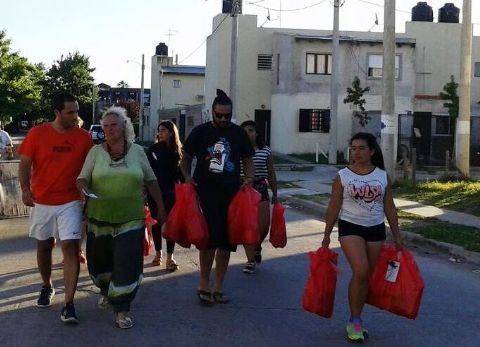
(59, 100)
(377, 157)
(221, 99)
(259, 139)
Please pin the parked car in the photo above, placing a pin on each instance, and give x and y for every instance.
(97, 134)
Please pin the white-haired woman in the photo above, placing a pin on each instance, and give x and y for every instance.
(113, 179)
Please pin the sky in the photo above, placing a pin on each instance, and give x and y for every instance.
(115, 33)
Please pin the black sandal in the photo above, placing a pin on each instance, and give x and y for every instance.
(220, 298)
(205, 297)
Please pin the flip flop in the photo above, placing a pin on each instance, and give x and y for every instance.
(205, 297)
(220, 298)
(124, 323)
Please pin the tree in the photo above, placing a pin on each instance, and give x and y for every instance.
(20, 83)
(450, 93)
(355, 96)
(132, 107)
(73, 74)
(122, 84)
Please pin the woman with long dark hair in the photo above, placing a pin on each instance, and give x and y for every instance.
(264, 177)
(361, 198)
(164, 157)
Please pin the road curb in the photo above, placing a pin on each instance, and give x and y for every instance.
(409, 236)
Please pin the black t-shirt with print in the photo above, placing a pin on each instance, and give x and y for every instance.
(218, 152)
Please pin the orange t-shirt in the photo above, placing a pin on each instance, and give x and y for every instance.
(57, 159)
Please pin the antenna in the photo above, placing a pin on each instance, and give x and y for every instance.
(171, 32)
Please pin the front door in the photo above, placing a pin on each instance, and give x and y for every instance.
(421, 136)
(263, 119)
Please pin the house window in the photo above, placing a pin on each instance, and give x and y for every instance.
(190, 121)
(319, 64)
(314, 120)
(476, 71)
(264, 61)
(177, 83)
(375, 63)
(441, 125)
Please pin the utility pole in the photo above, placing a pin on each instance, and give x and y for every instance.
(332, 148)
(236, 9)
(462, 136)
(389, 124)
(93, 104)
(140, 116)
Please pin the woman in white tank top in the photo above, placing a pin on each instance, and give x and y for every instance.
(361, 199)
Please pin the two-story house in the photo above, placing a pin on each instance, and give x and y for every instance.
(177, 93)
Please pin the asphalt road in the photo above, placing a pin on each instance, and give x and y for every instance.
(265, 309)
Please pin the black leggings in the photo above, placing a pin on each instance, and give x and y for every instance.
(157, 240)
(168, 201)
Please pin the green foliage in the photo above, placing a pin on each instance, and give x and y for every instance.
(450, 93)
(355, 97)
(287, 184)
(20, 82)
(462, 196)
(464, 236)
(72, 74)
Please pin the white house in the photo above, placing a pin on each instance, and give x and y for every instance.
(176, 92)
(284, 76)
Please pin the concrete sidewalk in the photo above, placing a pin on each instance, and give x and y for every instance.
(318, 182)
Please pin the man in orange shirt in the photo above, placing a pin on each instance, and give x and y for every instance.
(51, 157)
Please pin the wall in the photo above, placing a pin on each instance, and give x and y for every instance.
(191, 86)
(11, 204)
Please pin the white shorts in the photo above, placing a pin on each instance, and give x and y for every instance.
(59, 221)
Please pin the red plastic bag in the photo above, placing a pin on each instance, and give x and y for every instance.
(186, 223)
(278, 229)
(243, 217)
(148, 241)
(196, 227)
(396, 284)
(319, 293)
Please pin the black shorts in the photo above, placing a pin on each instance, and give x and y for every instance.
(214, 201)
(261, 186)
(369, 234)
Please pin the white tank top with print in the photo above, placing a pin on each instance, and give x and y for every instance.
(363, 197)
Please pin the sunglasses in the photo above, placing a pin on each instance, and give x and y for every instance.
(223, 115)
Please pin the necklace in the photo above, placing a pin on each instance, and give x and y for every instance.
(117, 156)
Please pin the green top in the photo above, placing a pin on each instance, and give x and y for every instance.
(118, 184)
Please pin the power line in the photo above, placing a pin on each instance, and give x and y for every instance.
(381, 6)
(287, 10)
(200, 46)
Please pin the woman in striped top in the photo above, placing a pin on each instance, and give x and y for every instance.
(264, 177)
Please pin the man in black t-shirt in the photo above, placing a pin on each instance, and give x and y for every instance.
(218, 146)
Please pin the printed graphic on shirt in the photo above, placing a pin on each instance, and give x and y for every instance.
(366, 194)
(219, 155)
(66, 147)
